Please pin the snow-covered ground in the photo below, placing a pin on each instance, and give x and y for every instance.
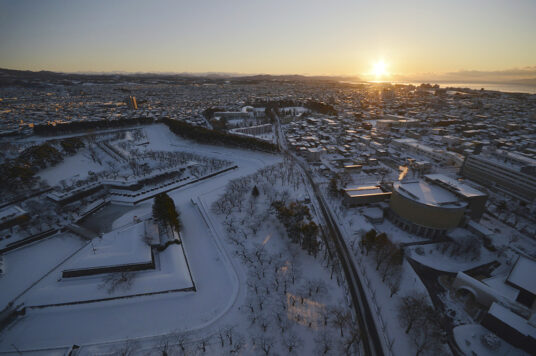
(216, 281)
(469, 339)
(384, 306)
(429, 256)
(80, 163)
(27, 265)
(170, 274)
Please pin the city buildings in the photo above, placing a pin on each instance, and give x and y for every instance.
(505, 172)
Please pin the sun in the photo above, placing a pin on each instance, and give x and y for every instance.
(379, 70)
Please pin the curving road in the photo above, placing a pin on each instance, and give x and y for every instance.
(372, 344)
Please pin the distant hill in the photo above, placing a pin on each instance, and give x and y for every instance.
(11, 77)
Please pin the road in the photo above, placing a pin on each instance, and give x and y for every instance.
(372, 344)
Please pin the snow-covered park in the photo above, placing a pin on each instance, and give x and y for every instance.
(255, 290)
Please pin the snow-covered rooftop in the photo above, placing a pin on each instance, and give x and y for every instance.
(497, 283)
(124, 246)
(10, 212)
(522, 275)
(364, 190)
(429, 194)
(512, 319)
(461, 188)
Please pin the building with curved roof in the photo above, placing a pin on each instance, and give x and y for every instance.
(424, 208)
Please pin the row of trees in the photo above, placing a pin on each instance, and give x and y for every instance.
(313, 105)
(421, 321)
(77, 126)
(71, 145)
(298, 222)
(387, 256)
(205, 135)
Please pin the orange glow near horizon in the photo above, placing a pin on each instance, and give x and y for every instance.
(379, 70)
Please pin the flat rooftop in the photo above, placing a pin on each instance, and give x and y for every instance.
(522, 275)
(512, 319)
(429, 194)
(10, 212)
(364, 190)
(460, 187)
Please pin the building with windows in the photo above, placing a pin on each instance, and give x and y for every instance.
(414, 147)
(505, 172)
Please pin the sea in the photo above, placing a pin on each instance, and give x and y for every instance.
(503, 87)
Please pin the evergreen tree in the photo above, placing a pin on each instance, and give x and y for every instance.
(164, 210)
(255, 192)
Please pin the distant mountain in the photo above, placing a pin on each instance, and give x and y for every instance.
(9, 77)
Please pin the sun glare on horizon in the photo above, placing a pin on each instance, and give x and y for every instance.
(379, 70)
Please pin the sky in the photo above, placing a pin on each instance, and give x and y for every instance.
(312, 37)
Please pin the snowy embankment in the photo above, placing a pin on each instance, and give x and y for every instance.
(27, 265)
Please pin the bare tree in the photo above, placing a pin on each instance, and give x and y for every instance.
(264, 343)
(264, 322)
(324, 343)
(427, 337)
(202, 345)
(164, 346)
(410, 310)
(237, 345)
(350, 341)
(291, 343)
(181, 342)
(127, 349)
(393, 281)
(341, 318)
(221, 337)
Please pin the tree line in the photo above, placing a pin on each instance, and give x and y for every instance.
(387, 256)
(205, 135)
(76, 126)
(313, 105)
(21, 170)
